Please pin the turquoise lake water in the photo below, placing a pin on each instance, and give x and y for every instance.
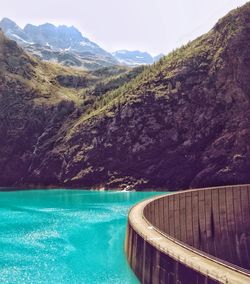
(65, 236)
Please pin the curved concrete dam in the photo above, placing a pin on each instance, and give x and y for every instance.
(192, 237)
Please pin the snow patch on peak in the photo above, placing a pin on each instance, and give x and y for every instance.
(84, 43)
(20, 39)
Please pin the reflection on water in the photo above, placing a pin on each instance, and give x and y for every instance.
(65, 236)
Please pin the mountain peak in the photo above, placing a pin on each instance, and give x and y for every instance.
(28, 26)
(68, 39)
(240, 14)
(64, 44)
(47, 25)
(133, 58)
(8, 25)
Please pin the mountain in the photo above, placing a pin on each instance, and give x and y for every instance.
(12, 30)
(182, 122)
(135, 58)
(62, 38)
(61, 44)
(39, 101)
(66, 45)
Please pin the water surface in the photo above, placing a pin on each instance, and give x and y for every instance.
(65, 236)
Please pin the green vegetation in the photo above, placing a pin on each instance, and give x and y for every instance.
(199, 54)
(173, 124)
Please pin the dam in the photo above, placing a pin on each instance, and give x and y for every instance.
(197, 236)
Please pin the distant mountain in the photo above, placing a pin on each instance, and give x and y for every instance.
(66, 45)
(12, 30)
(62, 44)
(135, 58)
(62, 38)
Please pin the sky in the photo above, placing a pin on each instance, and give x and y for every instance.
(155, 26)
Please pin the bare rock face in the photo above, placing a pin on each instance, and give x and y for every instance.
(183, 122)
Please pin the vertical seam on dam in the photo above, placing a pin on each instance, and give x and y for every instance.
(196, 236)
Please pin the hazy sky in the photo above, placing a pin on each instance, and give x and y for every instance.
(148, 25)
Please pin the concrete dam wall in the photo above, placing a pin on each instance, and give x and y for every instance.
(192, 237)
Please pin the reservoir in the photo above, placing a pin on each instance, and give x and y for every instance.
(65, 236)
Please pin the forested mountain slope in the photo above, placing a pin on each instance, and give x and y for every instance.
(182, 122)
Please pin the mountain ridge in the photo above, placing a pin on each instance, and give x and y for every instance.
(68, 46)
(62, 44)
(182, 122)
(135, 57)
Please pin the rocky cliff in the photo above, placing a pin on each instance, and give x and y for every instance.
(183, 122)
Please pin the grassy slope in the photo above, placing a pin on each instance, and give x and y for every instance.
(181, 122)
(199, 53)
